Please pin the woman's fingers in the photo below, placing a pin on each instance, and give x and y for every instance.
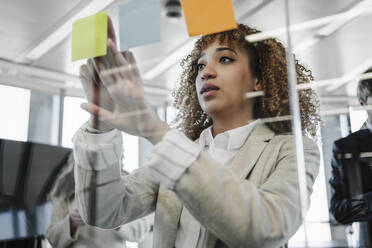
(107, 78)
(95, 92)
(111, 32)
(120, 64)
(102, 114)
(76, 218)
(87, 82)
(107, 67)
(78, 221)
(92, 71)
(88, 89)
(134, 69)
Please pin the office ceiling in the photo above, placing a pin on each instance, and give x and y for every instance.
(24, 24)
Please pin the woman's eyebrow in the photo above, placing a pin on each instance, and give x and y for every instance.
(201, 55)
(219, 49)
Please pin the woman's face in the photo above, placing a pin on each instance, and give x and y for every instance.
(223, 79)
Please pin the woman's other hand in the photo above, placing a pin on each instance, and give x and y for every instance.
(75, 221)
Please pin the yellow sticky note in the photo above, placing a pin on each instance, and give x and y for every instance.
(89, 36)
(208, 16)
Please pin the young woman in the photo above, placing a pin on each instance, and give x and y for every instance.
(222, 177)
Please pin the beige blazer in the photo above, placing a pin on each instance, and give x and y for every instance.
(254, 202)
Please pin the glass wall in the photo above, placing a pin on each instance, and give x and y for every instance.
(273, 140)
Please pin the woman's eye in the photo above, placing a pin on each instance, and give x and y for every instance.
(225, 59)
(200, 66)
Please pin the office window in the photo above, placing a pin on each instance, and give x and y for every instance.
(73, 118)
(14, 111)
(357, 119)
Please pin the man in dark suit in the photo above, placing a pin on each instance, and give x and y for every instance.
(351, 181)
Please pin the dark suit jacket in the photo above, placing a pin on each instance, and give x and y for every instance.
(351, 181)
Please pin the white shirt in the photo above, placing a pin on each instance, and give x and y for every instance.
(223, 149)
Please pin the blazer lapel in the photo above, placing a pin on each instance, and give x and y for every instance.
(248, 155)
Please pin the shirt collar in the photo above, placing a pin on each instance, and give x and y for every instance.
(228, 140)
(206, 137)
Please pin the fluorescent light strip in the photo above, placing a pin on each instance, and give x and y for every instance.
(361, 155)
(321, 113)
(337, 98)
(302, 26)
(254, 94)
(352, 74)
(65, 29)
(350, 15)
(355, 12)
(38, 72)
(335, 83)
(306, 44)
(254, 10)
(293, 28)
(318, 84)
(365, 76)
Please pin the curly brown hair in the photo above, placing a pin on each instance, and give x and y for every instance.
(267, 60)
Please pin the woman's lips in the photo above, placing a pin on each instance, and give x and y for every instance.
(210, 92)
(208, 87)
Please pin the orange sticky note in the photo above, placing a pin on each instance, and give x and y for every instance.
(208, 16)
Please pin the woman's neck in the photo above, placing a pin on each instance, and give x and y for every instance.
(226, 123)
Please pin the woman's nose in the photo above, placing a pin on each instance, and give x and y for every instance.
(208, 72)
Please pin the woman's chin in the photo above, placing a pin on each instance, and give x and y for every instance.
(213, 110)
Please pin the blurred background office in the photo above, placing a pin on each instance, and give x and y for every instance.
(40, 91)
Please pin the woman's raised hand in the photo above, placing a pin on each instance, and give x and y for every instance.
(125, 107)
(114, 89)
(94, 89)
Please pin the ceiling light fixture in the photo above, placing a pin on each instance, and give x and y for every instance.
(337, 19)
(350, 15)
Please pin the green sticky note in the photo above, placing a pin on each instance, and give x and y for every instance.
(89, 36)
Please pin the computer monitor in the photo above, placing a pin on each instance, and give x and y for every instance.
(27, 173)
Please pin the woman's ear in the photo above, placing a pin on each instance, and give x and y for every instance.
(257, 84)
